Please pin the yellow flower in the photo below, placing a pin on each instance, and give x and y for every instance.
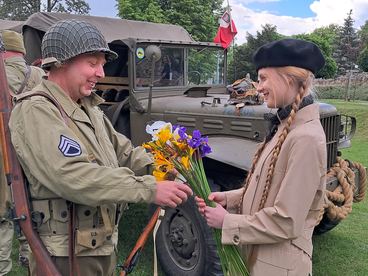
(164, 135)
(185, 161)
(159, 175)
(147, 146)
(180, 145)
(160, 159)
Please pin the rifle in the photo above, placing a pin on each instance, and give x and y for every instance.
(132, 259)
(14, 176)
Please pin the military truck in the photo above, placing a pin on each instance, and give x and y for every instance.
(187, 87)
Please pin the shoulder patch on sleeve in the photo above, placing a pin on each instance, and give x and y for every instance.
(69, 147)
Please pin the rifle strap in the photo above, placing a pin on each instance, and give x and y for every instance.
(26, 79)
(24, 83)
(160, 217)
(28, 94)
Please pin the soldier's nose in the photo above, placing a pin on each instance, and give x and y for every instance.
(100, 72)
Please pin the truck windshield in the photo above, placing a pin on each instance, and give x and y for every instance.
(205, 66)
(180, 66)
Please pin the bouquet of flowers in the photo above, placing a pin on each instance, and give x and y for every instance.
(173, 148)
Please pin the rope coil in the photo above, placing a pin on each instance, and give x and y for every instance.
(340, 201)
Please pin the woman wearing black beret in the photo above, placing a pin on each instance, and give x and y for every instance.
(272, 217)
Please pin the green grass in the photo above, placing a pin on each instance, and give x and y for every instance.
(342, 251)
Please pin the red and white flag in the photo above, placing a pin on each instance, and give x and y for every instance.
(226, 31)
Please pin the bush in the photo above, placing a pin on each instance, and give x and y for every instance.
(338, 92)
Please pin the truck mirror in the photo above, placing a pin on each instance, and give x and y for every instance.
(153, 53)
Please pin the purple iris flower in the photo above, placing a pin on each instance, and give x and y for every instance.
(182, 132)
(195, 142)
(199, 142)
(204, 149)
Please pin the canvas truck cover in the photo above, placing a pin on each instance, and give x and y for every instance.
(11, 25)
(113, 29)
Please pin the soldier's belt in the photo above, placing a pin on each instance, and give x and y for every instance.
(94, 228)
(51, 217)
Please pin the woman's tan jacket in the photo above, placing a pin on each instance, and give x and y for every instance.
(276, 240)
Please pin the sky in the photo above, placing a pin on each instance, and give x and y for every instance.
(289, 16)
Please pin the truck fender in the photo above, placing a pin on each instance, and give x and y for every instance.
(233, 151)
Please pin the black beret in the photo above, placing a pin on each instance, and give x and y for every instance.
(289, 52)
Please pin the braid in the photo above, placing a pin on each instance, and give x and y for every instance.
(280, 142)
(254, 162)
(250, 173)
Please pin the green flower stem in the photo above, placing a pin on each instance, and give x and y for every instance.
(230, 257)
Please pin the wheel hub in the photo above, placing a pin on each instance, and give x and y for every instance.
(182, 240)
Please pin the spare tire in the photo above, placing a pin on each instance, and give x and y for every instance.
(325, 225)
(185, 244)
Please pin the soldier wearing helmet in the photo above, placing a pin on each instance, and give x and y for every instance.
(82, 172)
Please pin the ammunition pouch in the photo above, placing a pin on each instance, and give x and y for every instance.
(94, 227)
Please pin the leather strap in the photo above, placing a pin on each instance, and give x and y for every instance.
(161, 216)
(23, 96)
(23, 85)
(26, 79)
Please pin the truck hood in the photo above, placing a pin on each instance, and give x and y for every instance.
(180, 104)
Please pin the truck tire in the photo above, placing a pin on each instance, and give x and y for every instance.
(325, 225)
(185, 245)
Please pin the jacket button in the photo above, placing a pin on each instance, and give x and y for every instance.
(236, 239)
(64, 214)
(257, 177)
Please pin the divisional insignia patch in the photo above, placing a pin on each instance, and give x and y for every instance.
(69, 147)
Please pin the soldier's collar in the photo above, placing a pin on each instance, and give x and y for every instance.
(71, 108)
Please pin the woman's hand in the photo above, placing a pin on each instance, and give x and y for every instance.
(218, 197)
(200, 204)
(215, 216)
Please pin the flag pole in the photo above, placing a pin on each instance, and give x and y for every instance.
(233, 46)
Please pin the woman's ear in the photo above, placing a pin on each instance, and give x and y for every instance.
(290, 81)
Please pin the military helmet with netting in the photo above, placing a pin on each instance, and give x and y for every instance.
(69, 38)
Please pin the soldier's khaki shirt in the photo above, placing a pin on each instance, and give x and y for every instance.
(16, 70)
(118, 176)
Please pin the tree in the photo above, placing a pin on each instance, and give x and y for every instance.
(363, 55)
(22, 9)
(198, 17)
(329, 34)
(241, 64)
(348, 46)
(142, 10)
(363, 34)
(363, 59)
(323, 40)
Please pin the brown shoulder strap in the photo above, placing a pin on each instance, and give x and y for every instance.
(69, 122)
(25, 81)
(23, 85)
(23, 96)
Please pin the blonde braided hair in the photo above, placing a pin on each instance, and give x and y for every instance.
(304, 80)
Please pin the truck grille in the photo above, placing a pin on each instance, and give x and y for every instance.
(331, 126)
